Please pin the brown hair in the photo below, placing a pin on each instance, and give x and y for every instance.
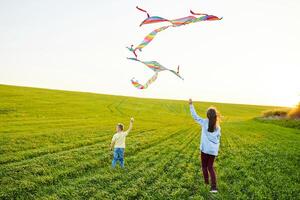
(121, 126)
(212, 116)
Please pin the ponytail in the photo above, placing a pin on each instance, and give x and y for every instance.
(212, 119)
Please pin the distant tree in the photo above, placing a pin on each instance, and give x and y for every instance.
(295, 112)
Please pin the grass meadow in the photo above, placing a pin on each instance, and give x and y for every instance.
(55, 145)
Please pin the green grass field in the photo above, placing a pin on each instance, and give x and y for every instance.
(55, 145)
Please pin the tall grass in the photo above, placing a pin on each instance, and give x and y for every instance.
(54, 145)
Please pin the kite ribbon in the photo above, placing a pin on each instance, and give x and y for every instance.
(136, 84)
(149, 38)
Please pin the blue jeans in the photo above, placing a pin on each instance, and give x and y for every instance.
(118, 156)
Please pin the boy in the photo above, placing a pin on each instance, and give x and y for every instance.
(118, 143)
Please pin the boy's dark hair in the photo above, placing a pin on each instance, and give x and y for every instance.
(121, 126)
(212, 116)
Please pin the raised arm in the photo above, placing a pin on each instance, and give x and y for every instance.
(130, 125)
(196, 117)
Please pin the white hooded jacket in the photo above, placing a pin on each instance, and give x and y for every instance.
(210, 141)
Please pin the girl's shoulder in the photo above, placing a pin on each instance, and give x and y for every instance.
(205, 120)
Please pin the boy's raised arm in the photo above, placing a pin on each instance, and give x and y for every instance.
(130, 125)
(196, 117)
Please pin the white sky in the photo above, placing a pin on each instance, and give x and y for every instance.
(251, 56)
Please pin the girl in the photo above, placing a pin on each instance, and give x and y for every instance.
(210, 142)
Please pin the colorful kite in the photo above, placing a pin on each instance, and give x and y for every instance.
(155, 66)
(181, 21)
(174, 23)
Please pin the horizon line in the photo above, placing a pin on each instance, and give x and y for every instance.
(179, 99)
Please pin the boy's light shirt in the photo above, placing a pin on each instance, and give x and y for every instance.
(210, 142)
(119, 139)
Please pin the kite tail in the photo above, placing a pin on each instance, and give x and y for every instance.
(140, 9)
(193, 13)
(136, 84)
(149, 38)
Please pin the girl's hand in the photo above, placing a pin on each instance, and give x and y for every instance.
(190, 101)
(131, 119)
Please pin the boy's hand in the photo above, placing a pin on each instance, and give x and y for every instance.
(131, 119)
(190, 101)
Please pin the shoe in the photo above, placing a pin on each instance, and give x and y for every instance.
(213, 191)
